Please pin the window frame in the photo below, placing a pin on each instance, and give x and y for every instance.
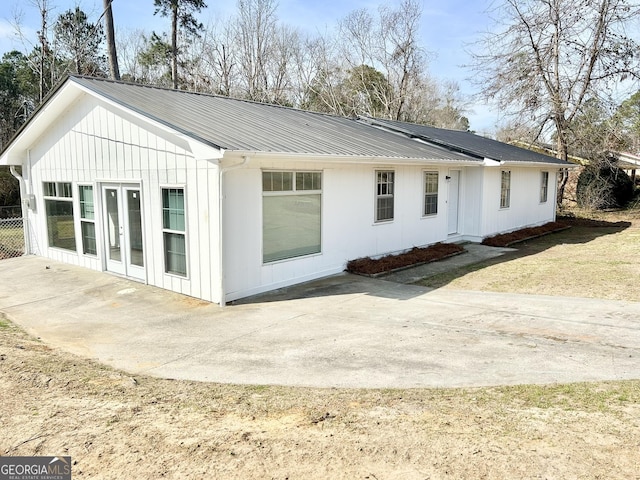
(544, 186)
(430, 194)
(167, 231)
(84, 220)
(295, 190)
(505, 189)
(379, 187)
(60, 192)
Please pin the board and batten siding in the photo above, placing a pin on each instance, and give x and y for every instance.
(348, 230)
(94, 143)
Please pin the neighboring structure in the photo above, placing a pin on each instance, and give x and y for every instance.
(220, 198)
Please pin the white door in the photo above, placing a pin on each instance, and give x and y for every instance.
(453, 201)
(123, 239)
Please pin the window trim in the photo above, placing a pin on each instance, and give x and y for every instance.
(88, 220)
(294, 191)
(63, 192)
(175, 232)
(505, 189)
(426, 173)
(379, 196)
(544, 186)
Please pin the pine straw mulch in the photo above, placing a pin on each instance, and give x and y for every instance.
(414, 257)
(506, 239)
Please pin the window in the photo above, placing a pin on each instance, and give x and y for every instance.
(87, 220)
(544, 186)
(174, 229)
(291, 214)
(430, 193)
(58, 202)
(384, 195)
(505, 189)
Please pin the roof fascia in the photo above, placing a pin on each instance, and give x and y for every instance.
(349, 159)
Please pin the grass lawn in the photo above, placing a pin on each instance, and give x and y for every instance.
(599, 262)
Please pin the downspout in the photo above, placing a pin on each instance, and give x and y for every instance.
(25, 210)
(223, 170)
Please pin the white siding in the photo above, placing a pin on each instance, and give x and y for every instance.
(92, 142)
(348, 227)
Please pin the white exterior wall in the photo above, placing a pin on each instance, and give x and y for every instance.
(525, 208)
(94, 142)
(349, 229)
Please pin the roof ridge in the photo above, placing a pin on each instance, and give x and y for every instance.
(211, 95)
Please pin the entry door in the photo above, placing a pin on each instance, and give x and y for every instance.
(453, 201)
(123, 239)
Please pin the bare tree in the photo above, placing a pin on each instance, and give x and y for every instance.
(548, 56)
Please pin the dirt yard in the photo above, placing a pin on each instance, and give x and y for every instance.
(115, 426)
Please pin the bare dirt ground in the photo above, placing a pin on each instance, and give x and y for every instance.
(115, 426)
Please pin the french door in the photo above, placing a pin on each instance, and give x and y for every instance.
(123, 236)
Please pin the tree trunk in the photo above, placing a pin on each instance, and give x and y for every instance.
(174, 43)
(563, 154)
(114, 70)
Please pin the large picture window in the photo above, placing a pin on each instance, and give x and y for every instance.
(87, 220)
(430, 193)
(505, 189)
(174, 231)
(384, 195)
(291, 214)
(544, 186)
(58, 200)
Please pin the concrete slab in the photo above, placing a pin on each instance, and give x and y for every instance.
(342, 331)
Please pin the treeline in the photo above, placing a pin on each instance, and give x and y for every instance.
(370, 63)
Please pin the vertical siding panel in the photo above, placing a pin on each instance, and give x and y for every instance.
(194, 226)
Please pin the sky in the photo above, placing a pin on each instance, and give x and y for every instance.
(448, 30)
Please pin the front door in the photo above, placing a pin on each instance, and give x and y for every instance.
(123, 239)
(453, 201)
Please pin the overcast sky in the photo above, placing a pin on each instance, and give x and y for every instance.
(448, 27)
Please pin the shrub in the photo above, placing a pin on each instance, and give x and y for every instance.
(604, 186)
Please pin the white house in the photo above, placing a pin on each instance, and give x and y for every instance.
(220, 198)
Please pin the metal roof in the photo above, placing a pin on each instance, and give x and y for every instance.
(240, 125)
(467, 142)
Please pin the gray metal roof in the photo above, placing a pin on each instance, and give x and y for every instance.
(467, 142)
(239, 125)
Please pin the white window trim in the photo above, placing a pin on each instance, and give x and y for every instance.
(544, 187)
(86, 220)
(186, 276)
(424, 193)
(507, 204)
(286, 193)
(71, 200)
(376, 221)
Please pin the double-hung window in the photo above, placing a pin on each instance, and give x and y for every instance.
(544, 186)
(174, 231)
(430, 193)
(58, 201)
(291, 214)
(87, 220)
(505, 189)
(384, 195)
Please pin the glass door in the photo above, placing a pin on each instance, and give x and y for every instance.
(124, 239)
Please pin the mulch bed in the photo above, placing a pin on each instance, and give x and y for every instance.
(414, 257)
(506, 239)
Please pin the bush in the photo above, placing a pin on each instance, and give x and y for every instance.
(602, 187)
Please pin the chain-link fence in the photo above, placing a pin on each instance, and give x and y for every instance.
(11, 238)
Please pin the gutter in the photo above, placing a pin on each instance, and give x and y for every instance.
(25, 210)
(223, 170)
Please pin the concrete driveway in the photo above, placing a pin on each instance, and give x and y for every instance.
(343, 331)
